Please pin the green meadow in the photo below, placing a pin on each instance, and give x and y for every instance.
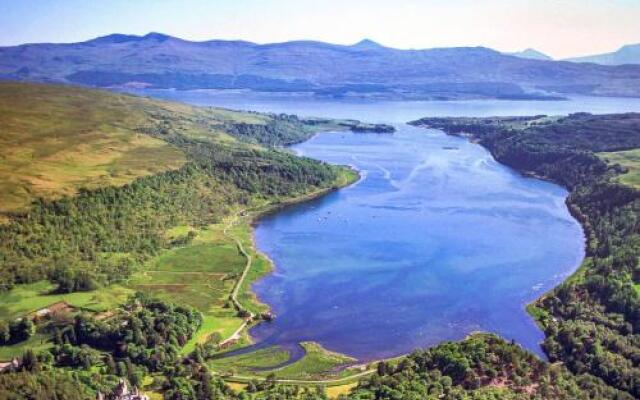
(246, 364)
(317, 363)
(630, 160)
(25, 299)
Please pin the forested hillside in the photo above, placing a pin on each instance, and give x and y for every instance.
(592, 321)
(93, 227)
(479, 367)
(128, 180)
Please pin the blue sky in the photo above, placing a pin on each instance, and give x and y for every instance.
(561, 28)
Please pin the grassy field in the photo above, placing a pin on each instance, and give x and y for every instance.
(36, 343)
(630, 159)
(245, 364)
(25, 299)
(333, 392)
(223, 322)
(56, 139)
(202, 275)
(317, 363)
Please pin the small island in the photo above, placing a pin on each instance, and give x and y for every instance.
(372, 128)
(348, 124)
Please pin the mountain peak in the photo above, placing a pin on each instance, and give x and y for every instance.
(627, 54)
(367, 44)
(531, 54)
(630, 47)
(115, 38)
(124, 38)
(160, 37)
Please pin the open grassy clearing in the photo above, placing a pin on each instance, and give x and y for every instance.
(629, 159)
(236, 386)
(317, 363)
(55, 140)
(36, 343)
(215, 326)
(333, 392)
(25, 299)
(219, 258)
(201, 274)
(246, 364)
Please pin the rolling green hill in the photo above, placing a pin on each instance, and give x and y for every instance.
(58, 139)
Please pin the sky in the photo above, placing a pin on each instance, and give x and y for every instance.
(560, 28)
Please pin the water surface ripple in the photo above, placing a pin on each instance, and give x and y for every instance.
(436, 241)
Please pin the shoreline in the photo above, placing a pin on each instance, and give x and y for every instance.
(367, 366)
(252, 216)
(531, 308)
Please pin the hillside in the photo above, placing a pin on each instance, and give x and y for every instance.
(629, 54)
(98, 184)
(363, 69)
(59, 139)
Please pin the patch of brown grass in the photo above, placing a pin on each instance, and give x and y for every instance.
(57, 139)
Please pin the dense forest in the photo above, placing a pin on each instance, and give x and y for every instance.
(479, 367)
(592, 321)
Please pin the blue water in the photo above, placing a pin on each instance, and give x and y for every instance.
(432, 244)
(437, 239)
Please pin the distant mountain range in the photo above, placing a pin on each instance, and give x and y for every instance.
(531, 54)
(364, 69)
(629, 54)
